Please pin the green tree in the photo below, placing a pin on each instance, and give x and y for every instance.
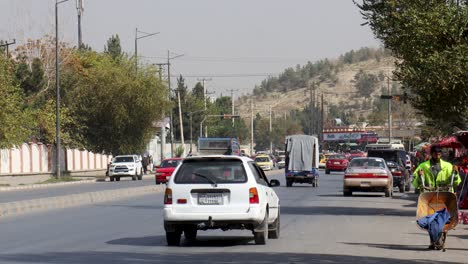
(365, 83)
(16, 122)
(113, 47)
(429, 39)
(114, 109)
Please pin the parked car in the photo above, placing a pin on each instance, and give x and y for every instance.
(165, 169)
(337, 162)
(265, 162)
(125, 166)
(220, 192)
(368, 175)
(397, 159)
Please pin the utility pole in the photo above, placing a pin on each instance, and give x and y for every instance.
(178, 97)
(271, 141)
(145, 35)
(57, 93)
(232, 102)
(205, 97)
(389, 113)
(79, 8)
(251, 127)
(321, 119)
(7, 44)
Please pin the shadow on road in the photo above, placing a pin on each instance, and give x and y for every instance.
(176, 256)
(366, 211)
(201, 241)
(390, 246)
(402, 247)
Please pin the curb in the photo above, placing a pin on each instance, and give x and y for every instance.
(45, 185)
(60, 202)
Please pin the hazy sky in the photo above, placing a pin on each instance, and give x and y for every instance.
(236, 43)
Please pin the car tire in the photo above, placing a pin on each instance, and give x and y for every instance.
(261, 236)
(173, 238)
(408, 186)
(134, 177)
(388, 192)
(347, 193)
(140, 177)
(327, 171)
(157, 183)
(274, 231)
(117, 178)
(288, 183)
(190, 233)
(111, 178)
(401, 187)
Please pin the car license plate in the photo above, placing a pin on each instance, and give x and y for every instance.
(336, 163)
(210, 198)
(365, 184)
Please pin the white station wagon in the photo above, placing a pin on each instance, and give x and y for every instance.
(220, 192)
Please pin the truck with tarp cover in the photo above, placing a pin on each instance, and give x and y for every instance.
(302, 160)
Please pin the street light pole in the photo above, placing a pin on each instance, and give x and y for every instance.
(136, 44)
(57, 94)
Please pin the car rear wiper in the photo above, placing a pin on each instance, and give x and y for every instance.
(207, 178)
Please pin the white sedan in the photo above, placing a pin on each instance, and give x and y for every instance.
(220, 192)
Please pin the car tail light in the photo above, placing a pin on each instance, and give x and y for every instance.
(396, 173)
(351, 175)
(253, 196)
(168, 196)
(380, 175)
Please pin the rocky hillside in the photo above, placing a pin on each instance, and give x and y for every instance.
(341, 90)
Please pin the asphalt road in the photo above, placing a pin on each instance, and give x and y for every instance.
(29, 194)
(318, 225)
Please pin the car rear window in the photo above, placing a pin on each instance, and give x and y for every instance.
(262, 159)
(169, 163)
(123, 159)
(337, 157)
(217, 170)
(374, 163)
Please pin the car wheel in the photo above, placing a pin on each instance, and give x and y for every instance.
(190, 233)
(134, 177)
(157, 183)
(140, 177)
(274, 231)
(347, 193)
(173, 238)
(117, 178)
(408, 186)
(261, 236)
(288, 183)
(388, 192)
(327, 171)
(112, 178)
(401, 187)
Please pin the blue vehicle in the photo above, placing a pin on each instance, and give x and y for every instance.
(302, 160)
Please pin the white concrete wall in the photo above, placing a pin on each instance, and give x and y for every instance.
(35, 158)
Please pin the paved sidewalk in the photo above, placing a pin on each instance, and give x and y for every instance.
(22, 180)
